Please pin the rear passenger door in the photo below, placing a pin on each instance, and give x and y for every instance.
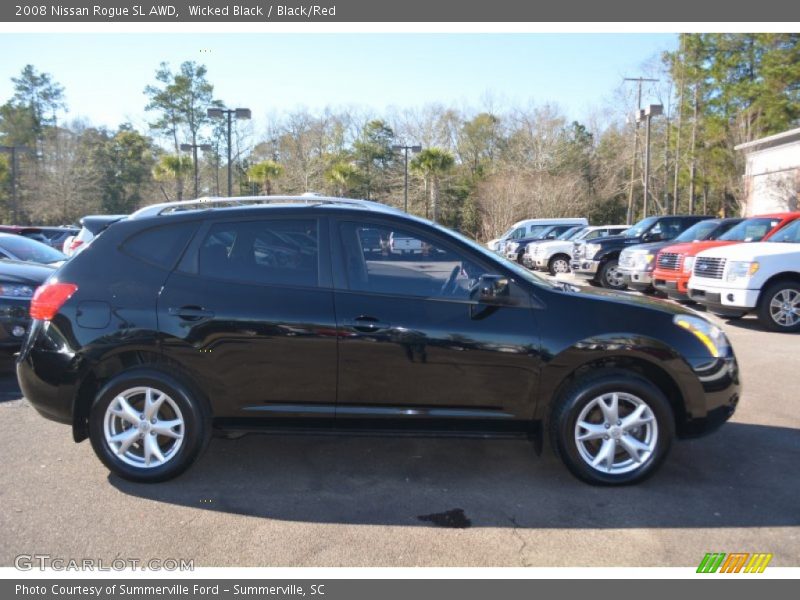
(249, 310)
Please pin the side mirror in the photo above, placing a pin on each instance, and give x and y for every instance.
(652, 237)
(492, 289)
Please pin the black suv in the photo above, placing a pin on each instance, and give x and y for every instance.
(194, 316)
(598, 260)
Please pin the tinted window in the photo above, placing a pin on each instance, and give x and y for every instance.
(160, 246)
(698, 231)
(641, 227)
(405, 264)
(751, 230)
(280, 251)
(789, 234)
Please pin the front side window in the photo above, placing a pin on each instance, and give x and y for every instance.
(789, 234)
(404, 263)
(278, 252)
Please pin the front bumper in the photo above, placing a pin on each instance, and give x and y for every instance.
(637, 280)
(673, 287)
(584, 268)
(720, 390)
(724, 300)
(14, 324)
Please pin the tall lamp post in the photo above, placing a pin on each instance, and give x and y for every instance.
(14, 151)
(405, 150)
(230, 113)
(194, 148)
(646, 115)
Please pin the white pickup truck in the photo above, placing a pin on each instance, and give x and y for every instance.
(763, 277)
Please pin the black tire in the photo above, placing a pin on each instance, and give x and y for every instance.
(607, 276)
(195, 415)
(580, 394)
(558, 258)
(780, 289)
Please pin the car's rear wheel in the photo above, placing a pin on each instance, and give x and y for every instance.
(611, 277)
(148, 426)
(612, 428)
(779, 308)
(558, 264)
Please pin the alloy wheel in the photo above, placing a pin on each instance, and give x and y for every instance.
(616, 433)
(143, 427)
(784, 308)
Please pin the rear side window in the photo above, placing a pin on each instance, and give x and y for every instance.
(279, 251)
(160, 246)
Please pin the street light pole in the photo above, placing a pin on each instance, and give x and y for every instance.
(229, 113)
(405, 150)
(193, 148)
(647, 115)
(639, 81)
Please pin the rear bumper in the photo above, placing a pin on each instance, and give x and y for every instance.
(47, 377)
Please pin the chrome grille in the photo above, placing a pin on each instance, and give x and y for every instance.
(669, 260)
(712, 268)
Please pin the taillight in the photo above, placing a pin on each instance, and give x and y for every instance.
(74, 245)
(49, 298)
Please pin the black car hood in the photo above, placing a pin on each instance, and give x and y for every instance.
(637, 300)
(26, 273)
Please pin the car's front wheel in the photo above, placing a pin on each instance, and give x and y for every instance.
(612, 427)
(611, 276)
(779, 309)
(558, 264)
(148, 426)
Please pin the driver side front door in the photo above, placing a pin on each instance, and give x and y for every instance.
(413, 344)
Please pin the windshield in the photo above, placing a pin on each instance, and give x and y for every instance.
(22, 248)
(639, 229)
(570, 233)
(751, 230)
(698, 231)
(789, 234)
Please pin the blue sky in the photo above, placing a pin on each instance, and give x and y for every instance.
(104, 74)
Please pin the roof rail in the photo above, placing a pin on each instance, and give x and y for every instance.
(238, 201)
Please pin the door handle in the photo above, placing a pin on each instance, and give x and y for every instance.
(367, 324)
(191, 313)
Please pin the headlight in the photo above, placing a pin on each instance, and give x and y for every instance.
(709, 334)
(688, 263)
(592, 249)
(738, 269)
(643, 262)
(11, 290)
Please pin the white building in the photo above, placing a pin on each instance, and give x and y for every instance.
(772, 173)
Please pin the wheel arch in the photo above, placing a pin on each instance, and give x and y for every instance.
(576, 361)
(792, 276)
(102, 371)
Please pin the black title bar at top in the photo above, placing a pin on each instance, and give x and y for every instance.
(442, 11)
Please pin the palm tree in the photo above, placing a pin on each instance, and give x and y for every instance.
(265, 173)
(344, 176)
(173, 167)
(431, 164)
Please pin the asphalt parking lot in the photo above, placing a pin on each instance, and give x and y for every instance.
(334, 501)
